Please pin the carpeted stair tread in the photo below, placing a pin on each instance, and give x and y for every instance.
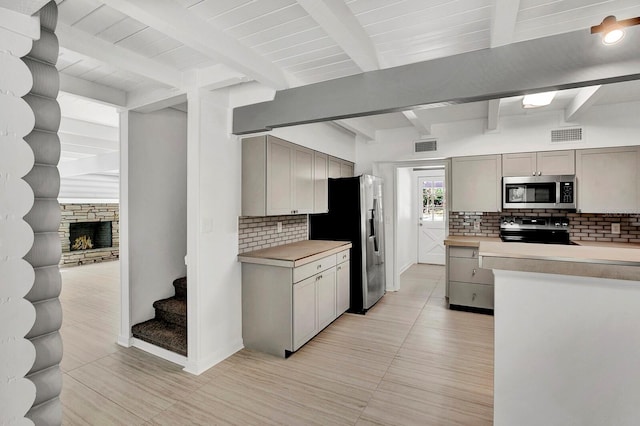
(165, 335)
(172, 305)
(172, 310)
(180, 285)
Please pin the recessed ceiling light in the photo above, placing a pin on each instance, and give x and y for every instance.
(537, 100)
(612, 37)
(613, 30)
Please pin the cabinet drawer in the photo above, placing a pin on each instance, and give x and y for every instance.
(470, 252)
(343, 256)
(474, 295)
(305, 271)
(467, 270)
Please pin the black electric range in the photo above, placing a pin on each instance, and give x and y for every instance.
(545, 230)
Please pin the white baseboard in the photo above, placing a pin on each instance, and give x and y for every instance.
(124, 341)
(198, 367)
(405, 267)
(158, 351)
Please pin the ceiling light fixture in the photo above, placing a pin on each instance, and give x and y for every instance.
(537, 100)
(613, 30)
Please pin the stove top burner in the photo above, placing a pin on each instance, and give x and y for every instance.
(542, 230)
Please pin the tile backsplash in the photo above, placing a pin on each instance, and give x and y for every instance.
(583, 226)
(262, 232)
(462, 223)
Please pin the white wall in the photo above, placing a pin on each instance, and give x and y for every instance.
(406, 193)
(157, 200)
(215, 285)
(321, 137)
(603, 125)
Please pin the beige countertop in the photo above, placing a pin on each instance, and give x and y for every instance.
(294, 254)
(467, 241)
(589, 259)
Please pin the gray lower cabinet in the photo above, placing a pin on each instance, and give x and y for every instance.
(467, 284)
(343, 280)
(284, 307)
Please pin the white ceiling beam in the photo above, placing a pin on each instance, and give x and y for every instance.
(95, 164)
(25, 7)
(503, 25)
(586, 97)
(360, 127)
(187, 27)
(116, 56)
(85, 128)
(493, 114)
(93, 91)
(335, 17)
(211, 78)
(423, 128)
(216, 77)
(82, 150)
(154, 100)
(70, 140)
(20, 23)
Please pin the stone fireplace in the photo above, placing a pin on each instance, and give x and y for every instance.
(89, 233)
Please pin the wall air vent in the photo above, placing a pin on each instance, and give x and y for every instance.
(566, 135)
(426, 145)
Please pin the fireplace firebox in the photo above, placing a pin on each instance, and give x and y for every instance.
(89, 235)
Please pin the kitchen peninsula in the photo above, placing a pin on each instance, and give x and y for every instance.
(566, 332)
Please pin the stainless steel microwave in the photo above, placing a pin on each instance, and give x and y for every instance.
(539, 192)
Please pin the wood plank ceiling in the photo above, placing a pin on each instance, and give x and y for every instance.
(287, 43)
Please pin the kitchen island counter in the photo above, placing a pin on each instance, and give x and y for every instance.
(565, 332)
(594, 259)
(467, 241)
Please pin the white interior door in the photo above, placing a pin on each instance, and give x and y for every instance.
(431, 216)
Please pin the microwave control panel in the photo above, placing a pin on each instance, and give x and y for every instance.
(566, 192)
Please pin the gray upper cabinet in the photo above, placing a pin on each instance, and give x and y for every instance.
(303, 182)
(346, 169)
(539, 163)
(277, 177)
(281, 178)
(340, 168)
(321, 175)
(476, 183)
(608, 180)
(334, 167)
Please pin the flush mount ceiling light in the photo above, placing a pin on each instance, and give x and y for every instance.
(613, 30)
(537, 99)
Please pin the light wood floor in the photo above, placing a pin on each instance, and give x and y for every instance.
(408, 361)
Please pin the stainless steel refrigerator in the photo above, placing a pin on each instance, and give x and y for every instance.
(355, 214)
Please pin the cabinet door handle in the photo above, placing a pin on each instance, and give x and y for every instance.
(319, 277)
(319, 266)
(339, 268)
(473, 297)
(344, 256)
(474, 271)
(539, 173)
(474, 253)
(534, 173)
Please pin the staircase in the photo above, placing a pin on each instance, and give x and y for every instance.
(168, 329)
